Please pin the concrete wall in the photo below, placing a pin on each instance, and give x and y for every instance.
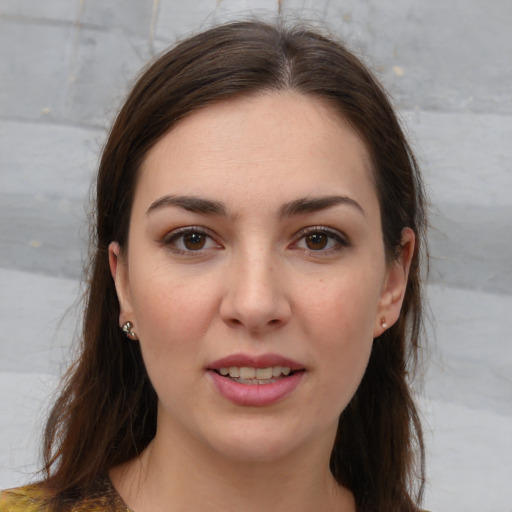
(64, 67)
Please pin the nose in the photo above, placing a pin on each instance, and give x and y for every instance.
(255, 297)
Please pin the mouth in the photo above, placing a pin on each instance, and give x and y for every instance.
(256, 380)
(256, 376)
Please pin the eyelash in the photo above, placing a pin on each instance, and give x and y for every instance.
(172, 238)
(340, 241)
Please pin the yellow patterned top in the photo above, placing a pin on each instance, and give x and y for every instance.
(34, 498)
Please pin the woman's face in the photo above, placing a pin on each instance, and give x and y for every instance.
(255, 274)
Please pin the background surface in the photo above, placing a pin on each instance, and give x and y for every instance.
(64, 67)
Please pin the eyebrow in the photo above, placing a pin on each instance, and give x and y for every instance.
(316, 204)
(300, 206)
(190, 203)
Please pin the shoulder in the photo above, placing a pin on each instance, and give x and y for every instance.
(30, 498)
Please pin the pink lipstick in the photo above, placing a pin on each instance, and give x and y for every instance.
(255, 380)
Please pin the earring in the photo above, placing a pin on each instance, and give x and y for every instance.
(127, 329)
(383, 323)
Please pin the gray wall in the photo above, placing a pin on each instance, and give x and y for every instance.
(64, 67)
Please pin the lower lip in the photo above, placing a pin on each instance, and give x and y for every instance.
(256, 395)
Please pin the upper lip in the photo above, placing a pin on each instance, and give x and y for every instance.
(255, 361)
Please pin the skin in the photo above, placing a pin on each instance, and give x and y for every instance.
(257, 284)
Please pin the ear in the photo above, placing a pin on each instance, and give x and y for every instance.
(395, 284)
(119, 271)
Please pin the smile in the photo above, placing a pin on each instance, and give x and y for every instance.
(255, 380)
(254, 376)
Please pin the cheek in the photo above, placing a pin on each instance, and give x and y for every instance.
(172, 313)
(341, 321)
(344, 364)
(172, 321)
(342, 306)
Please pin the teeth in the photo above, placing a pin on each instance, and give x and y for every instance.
(246, 373)
(234, 372)
(259, 374)
(264, 373)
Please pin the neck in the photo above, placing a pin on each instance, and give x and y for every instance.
(176, 475)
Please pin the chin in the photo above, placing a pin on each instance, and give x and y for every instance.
(263, 441)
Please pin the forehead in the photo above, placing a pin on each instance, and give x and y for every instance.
(273, 144)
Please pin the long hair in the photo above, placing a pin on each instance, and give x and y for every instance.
(106, 412)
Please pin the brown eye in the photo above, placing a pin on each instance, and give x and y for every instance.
(194, 241)
(321, 240)
(316, 241)
(190, 239)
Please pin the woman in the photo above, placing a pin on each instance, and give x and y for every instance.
(255, 300)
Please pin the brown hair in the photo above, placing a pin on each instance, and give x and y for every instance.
(106, 413)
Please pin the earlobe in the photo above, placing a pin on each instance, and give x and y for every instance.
(119, 271)
(395, 285)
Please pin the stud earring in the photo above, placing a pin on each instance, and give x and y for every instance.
(383, 323)
(127, 329)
